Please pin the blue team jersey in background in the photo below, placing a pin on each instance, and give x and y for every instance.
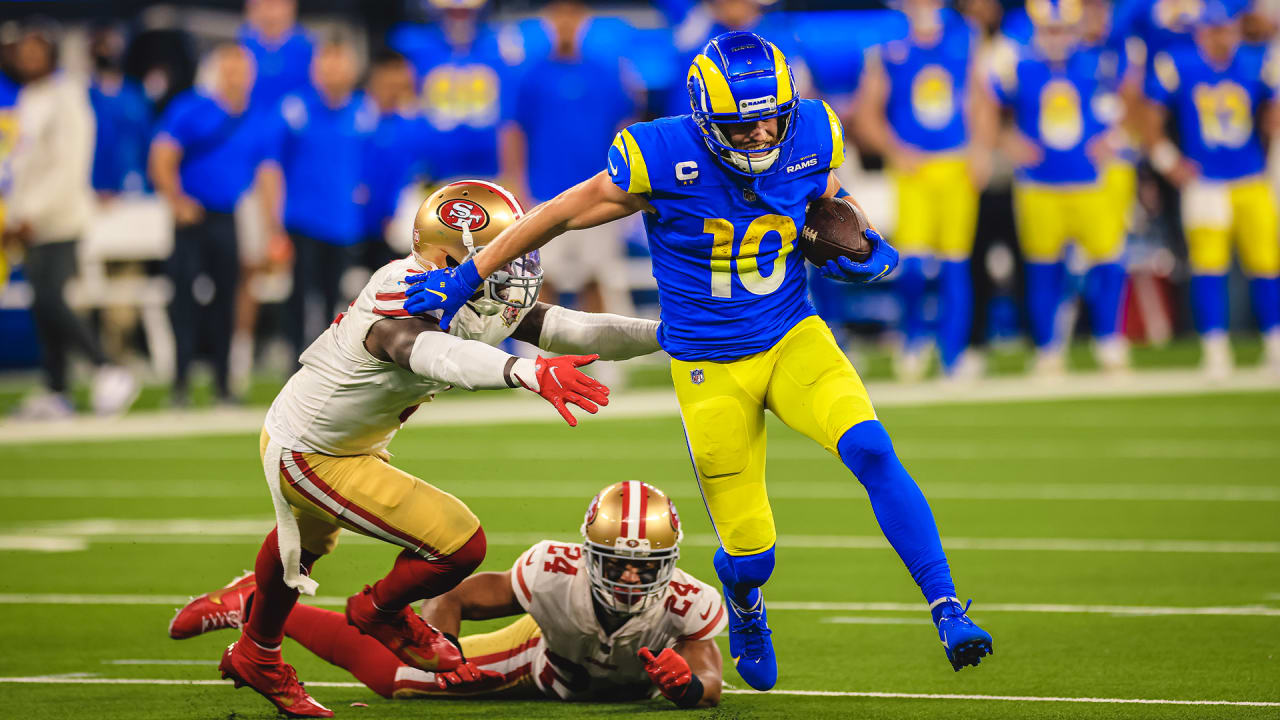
(396, 150)
(569, 111)
(1057, 106)
(220, 152)
(730, 282)
(464, 94)
(8, 131)
(1216, 108)
(322, 153)
(123, 133)
(282, 67)
(928, 86)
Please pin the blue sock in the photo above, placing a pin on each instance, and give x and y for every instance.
(743, 575)
(1265, 293)
(1209, 302)
(1103, 285)
(899, 506)
(1044, 291)
(955, 310)
(911, 286)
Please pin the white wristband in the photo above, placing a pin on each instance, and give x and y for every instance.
(612, 337)
(1165, 157)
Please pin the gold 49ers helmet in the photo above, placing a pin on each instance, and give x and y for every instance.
(461, 218)
(632, 535)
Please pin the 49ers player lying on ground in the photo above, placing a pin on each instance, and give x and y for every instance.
(610, 619)
(324, 440)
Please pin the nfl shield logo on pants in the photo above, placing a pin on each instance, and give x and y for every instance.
(696, 376)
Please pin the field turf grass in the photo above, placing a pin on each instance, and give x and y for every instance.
(1093, 480)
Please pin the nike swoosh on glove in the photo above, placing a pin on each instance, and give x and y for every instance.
(446, 289)
(669, 671)
(559, 381)
(884, 258)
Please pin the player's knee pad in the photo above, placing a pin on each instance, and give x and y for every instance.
(867, 451)
(744, 571)
(717, 431)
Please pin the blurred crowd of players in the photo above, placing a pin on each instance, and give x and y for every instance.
(1036, 154)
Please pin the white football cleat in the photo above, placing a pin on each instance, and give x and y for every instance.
(1112, 354)
(114, 390)
(42, 406)
(1215, 356)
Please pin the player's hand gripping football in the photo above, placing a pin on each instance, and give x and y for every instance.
(446, 289)
(469, 677)
(884, 258)
(559, 381)
(668, 671)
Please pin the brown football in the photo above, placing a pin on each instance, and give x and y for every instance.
(833, 227)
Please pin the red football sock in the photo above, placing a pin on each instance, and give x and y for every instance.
(413, 577)
(327, 634)
(272, 599)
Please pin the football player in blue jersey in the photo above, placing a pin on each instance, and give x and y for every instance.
(1221, 95)
(1062, 103)
(924, 104)
(723, 191)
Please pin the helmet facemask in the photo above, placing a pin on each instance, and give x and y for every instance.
(750, 162)
(515, 284)
(606, 567)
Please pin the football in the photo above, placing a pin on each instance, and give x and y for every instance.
(833, 227)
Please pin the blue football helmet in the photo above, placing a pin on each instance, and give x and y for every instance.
(741, 77)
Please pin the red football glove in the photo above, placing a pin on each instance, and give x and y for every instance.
(560, 381)
(668, 671)
(469, 677)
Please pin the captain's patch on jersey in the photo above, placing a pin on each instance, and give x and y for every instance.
(461, 213)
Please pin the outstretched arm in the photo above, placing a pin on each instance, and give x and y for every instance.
(571, 332)
(417, 344)
(592, 202)
(482, 596)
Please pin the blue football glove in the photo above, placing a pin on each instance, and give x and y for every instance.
(446, 289)
(884, 258)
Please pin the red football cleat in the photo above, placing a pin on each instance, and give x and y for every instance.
(408, 636)
(276, 681)
(218, 610)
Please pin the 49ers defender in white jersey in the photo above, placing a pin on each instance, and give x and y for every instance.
(324, 441)
(608, 619)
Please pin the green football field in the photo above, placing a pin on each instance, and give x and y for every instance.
(1116, 549)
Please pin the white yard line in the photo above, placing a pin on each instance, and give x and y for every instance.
(76, 534)
(66, 680)
(157, 661)
(495, 408)
(788, 489)
(774, 605)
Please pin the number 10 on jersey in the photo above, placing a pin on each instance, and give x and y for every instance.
(747, 263)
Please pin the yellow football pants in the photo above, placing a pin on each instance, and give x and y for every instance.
(1215, 214)
(509, 650)
(805, 380)
(937, 209)
(367, 495)
(1047, 217)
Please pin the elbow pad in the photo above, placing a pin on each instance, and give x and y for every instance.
(612, 337)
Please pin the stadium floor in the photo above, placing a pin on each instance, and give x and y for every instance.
(1118, 549)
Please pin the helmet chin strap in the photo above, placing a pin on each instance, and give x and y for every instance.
(742, 160)
(468, 241)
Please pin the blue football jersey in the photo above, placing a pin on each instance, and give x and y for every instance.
(928, 87)
(1060, 107)
(1216, 108)
(729, 280)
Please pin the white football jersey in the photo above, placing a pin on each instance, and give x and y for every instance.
(344, 401)
(578, 660)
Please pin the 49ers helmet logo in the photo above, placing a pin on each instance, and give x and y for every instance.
(460, 213)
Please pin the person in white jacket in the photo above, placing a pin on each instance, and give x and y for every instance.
(49, 205)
